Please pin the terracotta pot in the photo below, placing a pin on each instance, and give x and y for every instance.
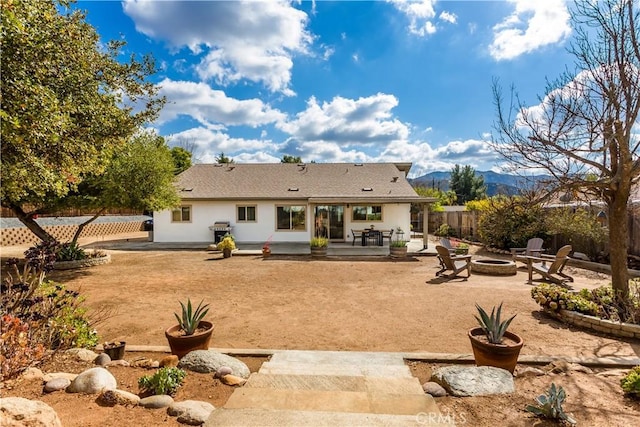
(503, 355)
(183, 344)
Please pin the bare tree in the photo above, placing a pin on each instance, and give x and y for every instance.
(582, 132)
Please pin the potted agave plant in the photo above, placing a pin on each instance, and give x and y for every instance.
(191, 332)
(492, 344)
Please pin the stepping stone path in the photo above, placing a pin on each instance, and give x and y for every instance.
(330, 388)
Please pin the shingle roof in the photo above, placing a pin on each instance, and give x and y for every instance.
(316, 182)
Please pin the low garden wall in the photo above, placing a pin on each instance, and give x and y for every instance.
(64, 233)
(623, 330)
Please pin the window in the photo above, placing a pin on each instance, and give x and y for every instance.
(182, 214)
(291, 218)
(246, 213)
(367, 213)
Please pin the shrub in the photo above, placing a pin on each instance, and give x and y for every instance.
(164, 381)
(549, 405)
(509, 222)
(70, 252)
(581, 229)
(445, 231)
(630, 383)
(18, 349)
(319, 242)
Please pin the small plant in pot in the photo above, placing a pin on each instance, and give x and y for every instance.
(398, 248)
(492, 344)
(226, 245)
(319, 246)
(115, 349)
(191, 332)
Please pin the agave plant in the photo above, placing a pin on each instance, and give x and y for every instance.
(190, 318)
(491, 325)
(549, 405)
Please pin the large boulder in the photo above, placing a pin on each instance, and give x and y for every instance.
(206, 361)
(94, 380)
(474, 381)
(191, 412)
(21, 412)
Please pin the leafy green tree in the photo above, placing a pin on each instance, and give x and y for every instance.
(466, 184)
(582, 132)
(140, 176)
(221, 158)
(291, 159)
(509, 222)
(181, 159)
(580, 228)
(68, 104)
(445, 198)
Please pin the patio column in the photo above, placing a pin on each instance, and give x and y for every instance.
(425, 225)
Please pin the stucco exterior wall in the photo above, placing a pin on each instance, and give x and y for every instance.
(206, 213)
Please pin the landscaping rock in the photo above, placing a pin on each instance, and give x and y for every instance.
(474, 381)
(434, 389)
(32, 374)
(156, 402)
(233, 380)
(54, 375)
(83, 354)
(93, 380)
(102, 359)
(21, 412)
(143, 362)
(118, 397)
(613, 373)
(119, 362)
(530, 372)
(222, 371)
(56, 384)
(206, 361)
(169, 361)
(191, 412)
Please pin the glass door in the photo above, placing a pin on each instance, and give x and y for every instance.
(329, 222)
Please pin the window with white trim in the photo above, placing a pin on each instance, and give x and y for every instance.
(246, 213)
(182, 214)
(292, 218)
(366, 213)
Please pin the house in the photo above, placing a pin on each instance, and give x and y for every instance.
(287, 202)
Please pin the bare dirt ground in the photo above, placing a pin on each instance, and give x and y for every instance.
(334, 304)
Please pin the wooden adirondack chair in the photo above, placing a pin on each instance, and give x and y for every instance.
(534, 248)
(550, 267)
(456, 264)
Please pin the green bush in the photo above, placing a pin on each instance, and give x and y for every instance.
(70, 252)
(445, 231)
(631, 382)
(164, 381)
(509, 222)
(579, 228)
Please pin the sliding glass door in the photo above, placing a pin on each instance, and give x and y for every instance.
(329, 222)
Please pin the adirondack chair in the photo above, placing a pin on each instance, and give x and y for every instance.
(550, 267)
(534, 248)
(447, 244)
(456, 264)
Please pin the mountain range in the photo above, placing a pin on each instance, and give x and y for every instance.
(497, 183)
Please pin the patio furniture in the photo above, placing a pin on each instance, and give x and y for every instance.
(446, 243)
(534, 248)
(372, 238)
(550, 267)
(386, 234)
(456, 263)
(357, 234)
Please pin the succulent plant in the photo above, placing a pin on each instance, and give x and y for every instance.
(549, 405)
(190, 318)
(491, 325)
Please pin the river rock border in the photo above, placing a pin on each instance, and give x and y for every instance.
(622, 330)
(82, 263)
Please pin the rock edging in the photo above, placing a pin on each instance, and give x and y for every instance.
(82, 263)
(618, 329)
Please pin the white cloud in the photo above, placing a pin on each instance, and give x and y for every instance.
(533, 24)
(212, 108)
(421, 14)
(252, 40)
(346, 121)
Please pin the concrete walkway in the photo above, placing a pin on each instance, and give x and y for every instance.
(330, 388)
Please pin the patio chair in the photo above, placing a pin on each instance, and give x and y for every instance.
(446, 243)
(357, 234)
(550, 267)
(455, 263)
(534, 248)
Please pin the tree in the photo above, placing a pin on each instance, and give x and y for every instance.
(466, 184)
(221, 158)
(181, 159)
(582, 133)
(291, 159)
(447, 198)
(68, 104)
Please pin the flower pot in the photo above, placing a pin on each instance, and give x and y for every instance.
(266, 252)
(318, 251)
(181, 344)
(115, 350)
(503, 355)
(226, 253)
(397, 251)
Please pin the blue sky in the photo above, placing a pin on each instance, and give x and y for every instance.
(358, 81)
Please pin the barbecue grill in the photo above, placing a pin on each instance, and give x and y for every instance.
(220, 229)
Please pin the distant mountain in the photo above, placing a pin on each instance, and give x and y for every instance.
(497, 183)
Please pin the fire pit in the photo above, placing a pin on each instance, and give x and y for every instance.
(493, 267)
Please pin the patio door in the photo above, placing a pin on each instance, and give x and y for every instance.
(329, 222)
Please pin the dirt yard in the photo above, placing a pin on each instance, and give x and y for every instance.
(338, 304)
